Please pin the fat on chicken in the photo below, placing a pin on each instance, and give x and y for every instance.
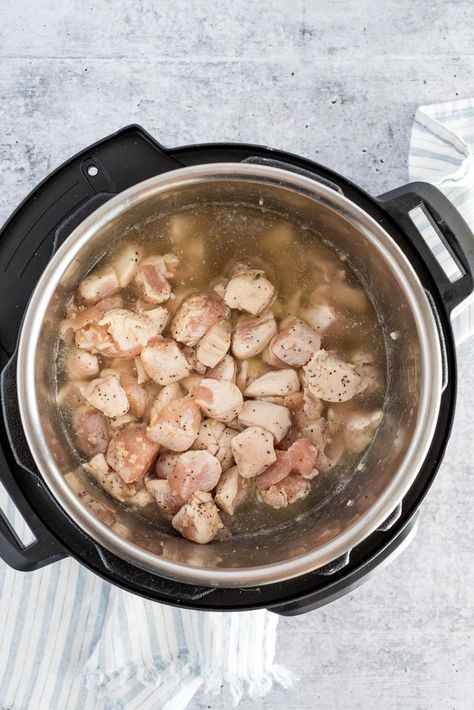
(153, 277)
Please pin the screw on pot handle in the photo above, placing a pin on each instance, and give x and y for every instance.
(448, 248)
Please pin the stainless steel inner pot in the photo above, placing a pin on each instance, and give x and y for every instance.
(389, 466)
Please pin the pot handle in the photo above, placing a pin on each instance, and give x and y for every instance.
(450, 251)
(44, 550)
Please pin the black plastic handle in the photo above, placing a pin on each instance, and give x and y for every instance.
(451, 228)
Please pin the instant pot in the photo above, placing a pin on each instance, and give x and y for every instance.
(50, 242)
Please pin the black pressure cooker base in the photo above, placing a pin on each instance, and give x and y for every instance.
(27, 242)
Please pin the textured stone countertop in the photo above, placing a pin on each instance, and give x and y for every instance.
(337, 82)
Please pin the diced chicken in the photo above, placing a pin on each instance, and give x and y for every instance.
(168, 394)
(126, 263)
(153, 274)
(191, 383)
(332, 454)
(214, 345)
(219, 399)
(81, 365)
(97, 286)
(272, 417)
(166, 500)
(277, 383)
(224, 370)
(194, 471)
(295, 343)
(292, 488)
(78, 318)
(119, 422)
(199, 519)
(164, 362)
(218, 285)
(95, 339)
(249, 291)
(195, 364)
(142, 377)
(142, 497)
(357, 427)
(293, 402)
(107, 395)
(159, 315)
(91, 430)
(242, 375)
(130, 332)
(165, 464)
(177, 425)
(269, 357)
(136, 395)
(231, 491)
(253, 451)
(110, 481)
(209, 435)
(252, 334)
(131, 453)
(320, 316)
(300, 458)
(196, 315)
(317, 434)
(330, 378)
(224, 454)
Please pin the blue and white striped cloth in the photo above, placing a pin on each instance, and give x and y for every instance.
(442, 152)
(70, 641)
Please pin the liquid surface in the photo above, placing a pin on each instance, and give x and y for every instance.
(304, 271)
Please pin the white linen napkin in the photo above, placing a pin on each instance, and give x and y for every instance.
(442, 153)
(71, 641)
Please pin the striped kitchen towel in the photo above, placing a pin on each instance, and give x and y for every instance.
(70, 641)
(442, 153)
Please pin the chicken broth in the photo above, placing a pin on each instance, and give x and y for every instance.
(221, 368)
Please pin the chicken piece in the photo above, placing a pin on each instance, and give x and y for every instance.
(153, 274)
(272, 417)
(292, 488)
(242, 375)
(191, 383)
(293, 402)
(142, 377)
(224, 454)
(224, 370)
(331, 455)
(91, 430)
(194, 471)
(330, 378)
(95, 339)
(276, 472)
(105, 513)
(269, 357)
(320, 316)
(219, 399)
(131, 453)
(276, 383)
(164, 362)
(253, 451)
(129, 331)
(81, 365)
(209, 435)
(70, 396)
(119, 422)
(142, 497)
(126, 263)
(165, 464)
(295, 343)
(159, 315)
(110, 481)
(299, 458)
(214, 345)
(316, 433)
(166, 500)
(357, 427)
(196, 315)
(107, 395)
(198, 520)
(78, 318)
(169, 393)
(136, 395)
(190, 354)
(249, 291)
(97, 286)
(176, 425)
(218, 285)
(231, 491)
(252, 335)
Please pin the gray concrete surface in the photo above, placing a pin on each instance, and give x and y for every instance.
(338, 82)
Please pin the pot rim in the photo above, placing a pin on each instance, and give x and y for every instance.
(431, 388)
